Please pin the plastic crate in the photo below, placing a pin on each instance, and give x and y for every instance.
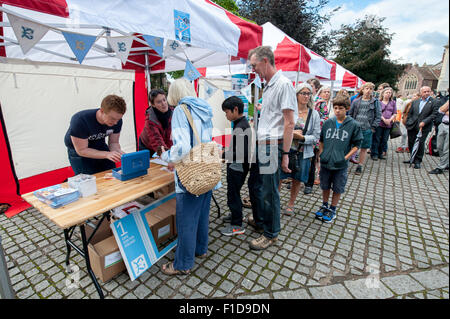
(86, 184)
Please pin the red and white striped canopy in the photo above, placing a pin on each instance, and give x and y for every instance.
(213, 33)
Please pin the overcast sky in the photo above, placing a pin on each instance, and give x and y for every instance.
(420, 27)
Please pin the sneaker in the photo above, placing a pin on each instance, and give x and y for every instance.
(436, 171)
(358, 170)
(308, 190)
(374, 158)
(321, 211)
(262, 243)
(231, 230)
(329, 216)
(251, 222)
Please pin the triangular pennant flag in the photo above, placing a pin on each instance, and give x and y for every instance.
(155, 43)
(122, 47)
(190, 72)
(209, 90)
(27, 33)
(247, 92)
(172, 47)
(79, 43)
(257, 81)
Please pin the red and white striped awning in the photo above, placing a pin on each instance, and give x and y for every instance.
(211, 34)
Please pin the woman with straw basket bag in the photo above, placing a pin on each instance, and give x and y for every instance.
(197, 166)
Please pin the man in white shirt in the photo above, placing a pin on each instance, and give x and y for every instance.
(274, 137)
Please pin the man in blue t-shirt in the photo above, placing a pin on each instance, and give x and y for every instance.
(85, 138)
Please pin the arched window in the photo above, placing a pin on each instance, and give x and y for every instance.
(411, 82)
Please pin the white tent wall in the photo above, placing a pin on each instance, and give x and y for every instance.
(38, 100)
(221, 126)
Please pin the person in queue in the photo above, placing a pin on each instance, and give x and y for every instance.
(86, 136)
(305, 139)
(192, 211)
(157, 129)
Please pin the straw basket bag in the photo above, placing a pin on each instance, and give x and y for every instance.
(201, 169)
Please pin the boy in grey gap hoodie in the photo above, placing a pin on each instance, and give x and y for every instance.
(340, 138)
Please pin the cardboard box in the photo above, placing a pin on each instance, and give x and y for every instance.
(160, 225)
(104, 253)
(170, 208)
(163, 191)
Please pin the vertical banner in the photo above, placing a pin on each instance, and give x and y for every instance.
(27, 33)
(122, 47)
(182, 22)
(79, 43)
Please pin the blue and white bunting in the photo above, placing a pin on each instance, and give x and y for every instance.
(210, 90)
(79, 43)
(27, 33)
(257, 81)
(122, 47)
(173, 47)
(190, 72)
(247, 92)
(155, 43)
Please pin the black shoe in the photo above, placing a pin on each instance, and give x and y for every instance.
(381, 157)
(358, 170)
(406, 162)
(436, 171)
(417, 165)
(374, 158)
(308, 190)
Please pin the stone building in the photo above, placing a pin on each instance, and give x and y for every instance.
(415, 76)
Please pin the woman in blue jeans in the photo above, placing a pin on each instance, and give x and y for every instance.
(388, 114)
(192, 211)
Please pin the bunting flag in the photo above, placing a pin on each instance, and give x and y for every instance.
(257, 81)
(27, 33)
(172, 48)
(210, 90)
(190, 72)
(122, 47)
(155, 43)
(227, 94)
(247, 92)
(79, 43)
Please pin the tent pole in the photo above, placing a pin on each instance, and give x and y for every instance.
(147, 74)
(299, 66)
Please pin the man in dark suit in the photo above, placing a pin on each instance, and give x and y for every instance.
(420, 117)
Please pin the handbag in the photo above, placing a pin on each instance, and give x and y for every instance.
(395, 130)
(293, 155)
(201, 169)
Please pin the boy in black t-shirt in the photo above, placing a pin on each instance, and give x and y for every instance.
(237, 157)
(85, 139)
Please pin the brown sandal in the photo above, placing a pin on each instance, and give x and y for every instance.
(170, 271)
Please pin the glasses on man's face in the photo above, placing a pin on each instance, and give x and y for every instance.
(305, 93)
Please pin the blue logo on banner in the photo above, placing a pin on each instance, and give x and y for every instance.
(190, 72)
(155, 43)
(79, 43)
(182, 26)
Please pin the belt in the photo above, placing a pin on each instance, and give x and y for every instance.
(266, 142)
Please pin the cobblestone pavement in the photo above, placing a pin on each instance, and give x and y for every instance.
(390, 240)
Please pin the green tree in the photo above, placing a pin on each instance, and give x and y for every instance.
(363, 48)
(302, 20)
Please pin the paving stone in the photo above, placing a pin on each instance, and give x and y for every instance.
(432, 279)
(294, 294)
(402, 284)
(367, 289)
(330, 292)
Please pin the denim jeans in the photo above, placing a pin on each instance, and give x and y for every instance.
(84, 165)
(380, 140)
(269, 160)
(192, 227)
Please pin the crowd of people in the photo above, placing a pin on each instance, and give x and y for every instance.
(303, 134)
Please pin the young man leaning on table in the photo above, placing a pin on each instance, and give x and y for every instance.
(86, 137)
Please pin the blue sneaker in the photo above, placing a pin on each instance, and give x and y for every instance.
(329, 216)
(321, 211)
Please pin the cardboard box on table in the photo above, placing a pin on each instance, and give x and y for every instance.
(104, 254)
(164, 191)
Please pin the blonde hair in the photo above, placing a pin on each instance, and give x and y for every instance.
(366, 85)
(179, 89)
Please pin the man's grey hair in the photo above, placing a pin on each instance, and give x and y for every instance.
(262, 52)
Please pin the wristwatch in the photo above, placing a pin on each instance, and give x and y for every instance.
(285, 153)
